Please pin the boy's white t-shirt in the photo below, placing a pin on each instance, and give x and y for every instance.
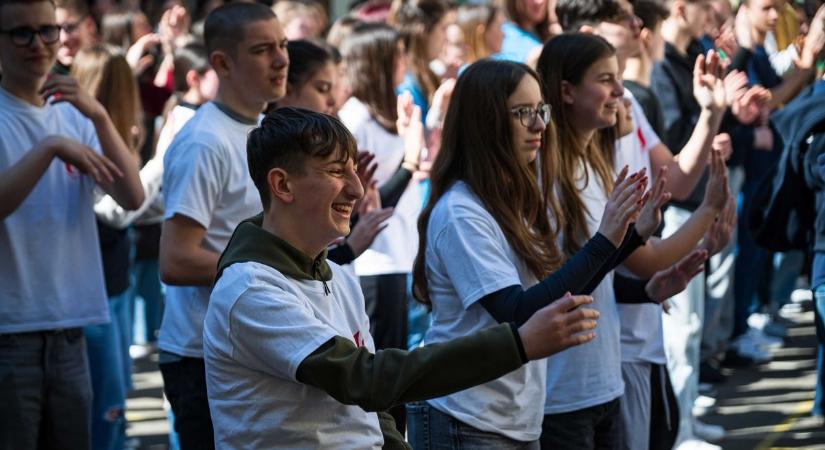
(52, 274)
(394, 249)
(468, 257)
(206, 179)
(590, 374)
(259, 327)
(641, 324)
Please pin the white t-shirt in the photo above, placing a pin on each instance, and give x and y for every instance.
(641, 324)
(467, 258)
(259, 327)
(394, 249)
(589, 374)
(205, 179)
(52, 274)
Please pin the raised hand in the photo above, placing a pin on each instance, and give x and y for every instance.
(367, 228)
(673, 280)
(366, 168)
(750, 105)
(708, 88)
(723, 144)
(720, 233)
(736, 84)
(137, 57)
(64, 88)
(651, 215)
(559, 326)
(717, 191)
(101, 169)
(411, 130)
(623, 205)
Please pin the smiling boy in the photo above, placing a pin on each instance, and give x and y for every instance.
(290, 361)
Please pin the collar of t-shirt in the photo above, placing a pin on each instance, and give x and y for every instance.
(250, 242)
(234, 115)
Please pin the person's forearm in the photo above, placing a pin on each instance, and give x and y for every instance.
(17, 181)
(791, 86)
(660, 254)
(114, 215)
(126, 191)
(191, 267)
(686, 168)
(630, 290)
(376, 382)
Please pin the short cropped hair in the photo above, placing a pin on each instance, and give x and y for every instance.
(78, 7)
(224, 26)
(288, 137)
(572, 14)
(652, 12)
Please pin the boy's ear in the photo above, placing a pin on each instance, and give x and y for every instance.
(280, 188)
(219, 61)
(587, 29)
(645, 37)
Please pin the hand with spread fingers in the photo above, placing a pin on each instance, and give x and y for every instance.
(708, 87)
(623, 205)
(651, 215)
(720, 233)
(558, 326)
(717, 191)
(673, 280)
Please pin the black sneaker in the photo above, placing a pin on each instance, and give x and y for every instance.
(734, 359)
(709, 373)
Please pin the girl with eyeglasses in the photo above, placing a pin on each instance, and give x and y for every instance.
(487, 249)
(582, 83)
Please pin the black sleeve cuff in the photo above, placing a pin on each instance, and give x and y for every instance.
(519, 344)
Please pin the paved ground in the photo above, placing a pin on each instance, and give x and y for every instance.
(764, 407)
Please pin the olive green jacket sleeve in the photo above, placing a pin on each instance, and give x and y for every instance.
(376, 382)
(393, 440)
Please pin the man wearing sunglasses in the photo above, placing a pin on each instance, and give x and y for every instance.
(57, 144)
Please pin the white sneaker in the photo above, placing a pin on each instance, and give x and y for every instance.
(745, 346)
(703, 405)
(763, 340)
(696, 444)
(708, 432)
(765, 324)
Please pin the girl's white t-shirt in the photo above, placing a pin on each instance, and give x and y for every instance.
(468, 257)
(394, 249)
(590, 374)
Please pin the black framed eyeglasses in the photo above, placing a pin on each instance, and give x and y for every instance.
(24, 36)
(527, 115)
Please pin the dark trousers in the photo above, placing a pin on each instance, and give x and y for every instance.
(385, 299)
(664, 410)
(45, 391)
(184, 382)
(596, 427)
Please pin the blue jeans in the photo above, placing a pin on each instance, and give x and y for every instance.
(45, 391)
(429, 428)
(146, 285)
(108, 370)
(819, 319)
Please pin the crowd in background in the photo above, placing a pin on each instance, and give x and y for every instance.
(704, 114)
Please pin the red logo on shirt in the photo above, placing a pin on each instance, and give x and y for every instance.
(71, 170)
(641, 137)
(359, 341)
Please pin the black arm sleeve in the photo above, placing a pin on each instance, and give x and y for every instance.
(391, 191)
(513, 304)
(341, 255)
(629, 244)
(630, 290)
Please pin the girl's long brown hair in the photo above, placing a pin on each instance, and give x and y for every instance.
(477, 148)
(370, 53)
(103, 72)
(566, 58)
(415, 19)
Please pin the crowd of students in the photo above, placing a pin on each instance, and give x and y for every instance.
(521, 224)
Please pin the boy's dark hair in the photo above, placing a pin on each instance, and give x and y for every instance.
(288, 137)
(652, 12)
(572, 14)
(11, 2)
(224, 26)
(79, 7)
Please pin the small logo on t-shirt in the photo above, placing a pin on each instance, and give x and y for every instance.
(359, 341)
(71, 170)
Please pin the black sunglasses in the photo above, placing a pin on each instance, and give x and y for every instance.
(24, 36)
